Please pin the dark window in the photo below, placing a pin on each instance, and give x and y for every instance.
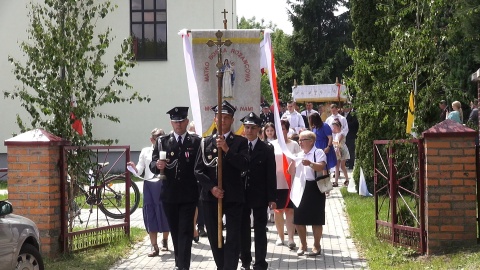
(148, 20)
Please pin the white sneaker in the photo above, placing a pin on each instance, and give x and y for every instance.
(279, 242)
(291, 245)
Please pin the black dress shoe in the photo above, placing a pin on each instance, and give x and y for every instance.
(196, 239)
(202, 233)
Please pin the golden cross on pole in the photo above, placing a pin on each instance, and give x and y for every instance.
(225, 18)
(219, 44)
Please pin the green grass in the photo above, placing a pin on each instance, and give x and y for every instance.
(3, 197)
(99, 258)
(383, 255)
(3, 184)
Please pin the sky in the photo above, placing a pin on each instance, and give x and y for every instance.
(269, 10)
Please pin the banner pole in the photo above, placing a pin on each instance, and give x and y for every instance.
(220, 151)
(219, 44)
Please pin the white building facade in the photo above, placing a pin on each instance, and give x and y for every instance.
(159, 75)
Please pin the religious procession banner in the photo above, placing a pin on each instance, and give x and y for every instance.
(240, 63)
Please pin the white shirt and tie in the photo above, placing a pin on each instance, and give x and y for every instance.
(180, 138)
(307, 113)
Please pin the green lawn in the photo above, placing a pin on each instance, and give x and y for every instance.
(97, 258)
(383, 255)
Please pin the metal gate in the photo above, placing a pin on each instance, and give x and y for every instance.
(477, 162)
(96, 200)
(399, 184)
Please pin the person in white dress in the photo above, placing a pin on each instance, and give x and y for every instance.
(341, 150)
(153, 213)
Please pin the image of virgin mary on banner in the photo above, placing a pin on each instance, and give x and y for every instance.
(241, 73)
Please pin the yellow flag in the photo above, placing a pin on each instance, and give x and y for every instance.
(410, 113)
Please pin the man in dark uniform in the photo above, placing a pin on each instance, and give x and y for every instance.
(352, 122)
(266, 115)
(444, 110)
(180, 189)
(260, 193)
(234, 163)
(282, 109)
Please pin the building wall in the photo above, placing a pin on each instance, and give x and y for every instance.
(163, 81)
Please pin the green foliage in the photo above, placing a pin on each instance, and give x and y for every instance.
(319, 39)
(284, 59)
(253, 24)
(307, 77)
(315, 52)
(283, 56)
(65, 58)
(402, 46)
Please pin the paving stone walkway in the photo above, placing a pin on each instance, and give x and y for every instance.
(338, 248)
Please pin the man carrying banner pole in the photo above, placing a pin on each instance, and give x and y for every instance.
(235, 155)
(210, 172)
(219, 44)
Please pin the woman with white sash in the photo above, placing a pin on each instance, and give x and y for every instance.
(308, 200)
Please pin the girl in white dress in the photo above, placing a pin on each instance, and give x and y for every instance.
(341, 151)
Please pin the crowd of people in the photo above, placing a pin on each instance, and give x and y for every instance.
(456, 113)
(256, 181)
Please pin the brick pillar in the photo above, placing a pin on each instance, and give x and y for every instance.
(450, 187)
(34, 183)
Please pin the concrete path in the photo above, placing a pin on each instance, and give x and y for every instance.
(338, 249)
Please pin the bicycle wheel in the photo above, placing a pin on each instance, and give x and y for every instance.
(112, 196)
(77, 200)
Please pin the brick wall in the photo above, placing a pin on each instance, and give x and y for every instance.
(34, 184)
(450, 178)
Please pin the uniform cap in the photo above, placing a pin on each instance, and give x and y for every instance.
(227, 108)
(178, 114)
(251, 119)
(265, 104)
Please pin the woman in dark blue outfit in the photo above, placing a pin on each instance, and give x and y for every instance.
(324, 139)
(153, 214)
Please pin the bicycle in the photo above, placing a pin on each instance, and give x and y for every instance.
(107, 193)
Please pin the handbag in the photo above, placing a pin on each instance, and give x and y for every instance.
(323, 182)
